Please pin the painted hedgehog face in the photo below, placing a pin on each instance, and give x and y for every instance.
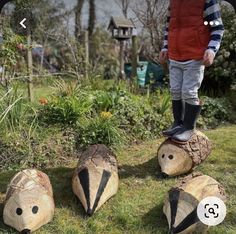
(27, 211)
(173, 160)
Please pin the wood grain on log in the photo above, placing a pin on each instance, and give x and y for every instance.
(95, 179)
(180, 206)
(176, 159)
(29, 201)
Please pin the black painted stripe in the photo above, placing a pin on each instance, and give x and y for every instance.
(103, 183)
(191, 219)
(84, 181)
(173, 199)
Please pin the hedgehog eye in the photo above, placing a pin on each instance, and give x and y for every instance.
(35, 210)
(19, 211)
(163, 156)
(171, 157)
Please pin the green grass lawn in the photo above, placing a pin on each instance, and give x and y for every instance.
(137, 208)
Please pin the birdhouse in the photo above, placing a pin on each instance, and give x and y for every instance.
(121, 28)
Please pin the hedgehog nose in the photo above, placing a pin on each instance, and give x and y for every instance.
(164, 175)
(25, 231)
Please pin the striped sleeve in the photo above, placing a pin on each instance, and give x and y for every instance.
(165, 42)
(213, 16)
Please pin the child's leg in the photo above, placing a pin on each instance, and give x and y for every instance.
(176, 80)
(192, 80)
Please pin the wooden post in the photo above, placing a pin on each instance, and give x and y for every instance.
(134, 58)
(30, 64)
(122, 72)
(86, 44)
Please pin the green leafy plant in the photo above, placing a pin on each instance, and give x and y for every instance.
(161, 101)
(103, 129)
(215, 111)
(14, 110)
(64, 110)
(65, 88)
(107, 100)
(139, 119)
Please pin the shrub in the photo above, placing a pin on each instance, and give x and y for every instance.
(103, 129)
(107, 100)
(64, 110)
(215, 111)
(139, 118)
(66, 105)
(14, 110)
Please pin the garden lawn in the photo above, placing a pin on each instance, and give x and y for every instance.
(137, 208)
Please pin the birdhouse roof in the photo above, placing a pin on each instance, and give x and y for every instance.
(120, 22)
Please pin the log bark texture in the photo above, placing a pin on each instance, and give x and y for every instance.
(180, 206)
(176, 159)
(95, 179)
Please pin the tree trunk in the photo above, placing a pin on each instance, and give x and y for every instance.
(96, 177)
(176, 159)
(78, 15)
(2, 3)
(233, 3)
(92, 17)
(124, 6)
(122, 62)
(86, 44)
(180, 206)
(29, 190)
(30, 64)
(134, 59)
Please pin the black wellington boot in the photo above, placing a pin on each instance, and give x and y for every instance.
(177, 108)
(190, 118)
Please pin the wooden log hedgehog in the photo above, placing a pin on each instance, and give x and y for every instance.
(176, 159)
(180, 206)
(29, 201)
(95, 179)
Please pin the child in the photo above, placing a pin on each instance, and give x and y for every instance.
(192, 38)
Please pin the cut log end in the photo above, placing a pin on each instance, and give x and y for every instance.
(29, 201)
(176, 159)
(181, 203)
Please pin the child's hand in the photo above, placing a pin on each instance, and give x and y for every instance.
(163, 56)
(208, 58)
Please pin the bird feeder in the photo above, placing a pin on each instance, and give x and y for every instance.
(122, 29)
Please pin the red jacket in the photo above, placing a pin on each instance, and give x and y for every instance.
(188, 37)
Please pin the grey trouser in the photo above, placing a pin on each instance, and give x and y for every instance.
(185, 80)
